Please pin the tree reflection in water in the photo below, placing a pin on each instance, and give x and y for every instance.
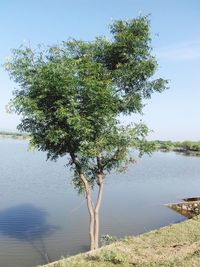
(26, 222)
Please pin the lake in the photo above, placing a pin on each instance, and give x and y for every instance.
(42, 218)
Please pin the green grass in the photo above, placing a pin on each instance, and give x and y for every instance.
(174, 245)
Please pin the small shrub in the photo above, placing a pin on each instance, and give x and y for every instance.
(197, 253)
(107, 239)
(111, 256)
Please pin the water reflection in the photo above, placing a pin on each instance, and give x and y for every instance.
(27, 223)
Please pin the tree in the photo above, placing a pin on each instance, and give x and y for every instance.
(71, 95)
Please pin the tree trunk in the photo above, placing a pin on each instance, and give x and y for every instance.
(92, 221)
(93, 211)
(90, 210)
(96, 211)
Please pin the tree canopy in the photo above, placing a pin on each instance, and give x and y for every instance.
(71, 94)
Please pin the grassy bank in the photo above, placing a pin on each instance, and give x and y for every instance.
(174, 245)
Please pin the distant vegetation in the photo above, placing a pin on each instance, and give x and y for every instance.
(13, 135)
(186, 147)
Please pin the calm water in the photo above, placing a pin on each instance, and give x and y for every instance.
(42, 218)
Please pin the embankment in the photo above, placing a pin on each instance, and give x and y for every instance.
(174, 245)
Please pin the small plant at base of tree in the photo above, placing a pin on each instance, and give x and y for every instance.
(111, 256)
(108, 239)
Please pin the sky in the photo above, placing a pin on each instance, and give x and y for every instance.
(175, 32)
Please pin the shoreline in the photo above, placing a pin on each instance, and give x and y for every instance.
(172, 245)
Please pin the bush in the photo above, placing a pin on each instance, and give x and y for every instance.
(111, 256)
(107, 239)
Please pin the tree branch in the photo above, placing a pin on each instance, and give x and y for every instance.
(114, 157)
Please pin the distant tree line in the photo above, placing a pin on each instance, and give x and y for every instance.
(13, 135)
(187, 147)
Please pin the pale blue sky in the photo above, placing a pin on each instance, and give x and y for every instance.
(175, 27)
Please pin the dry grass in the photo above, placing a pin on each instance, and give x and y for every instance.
(174, 245)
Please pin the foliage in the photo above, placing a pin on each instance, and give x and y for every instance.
(186, 146)
(13, 135)
(111, 256)
(107, 239)
(197, 253)
(71, 95)
(189, 145)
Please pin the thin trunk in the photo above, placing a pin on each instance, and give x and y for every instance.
(96, 211)
(87, 188)
(90, 210)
